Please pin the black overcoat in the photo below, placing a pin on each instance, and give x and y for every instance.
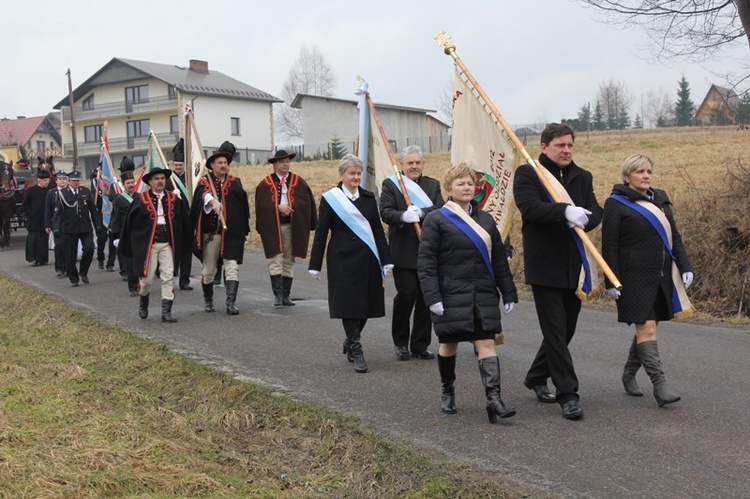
(76, 214)
(550, 255)
(236, 212)
(34, 204)
(137, 233)
(120, 207)
(402, 238)
(355, 282)
(451, 270)
(636, 254)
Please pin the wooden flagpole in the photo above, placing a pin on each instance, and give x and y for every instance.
(449, 49)
(204, 171)
(384, 138)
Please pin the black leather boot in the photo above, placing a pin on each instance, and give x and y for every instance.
(353, 328)
(278, 290)
(208, 296)
(231, 287)
(648, 352)
(143, 307)
(489, 368)
(447, 368)
(631, 367)
(286, 289)
(166, 311)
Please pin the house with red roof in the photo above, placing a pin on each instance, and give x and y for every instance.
(29, 137)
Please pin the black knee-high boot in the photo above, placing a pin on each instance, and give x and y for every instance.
(353, 329)
(447, 368)
(166, 311)
(208, 296)
(631, 367)
(286, 287)
(489, 367)
(649, 355)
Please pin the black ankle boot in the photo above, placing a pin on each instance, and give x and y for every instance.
(631, 367)
(648, 352)
(143, 307)
(353, 329)
(166, 311)
(208, 296)
(231, 287)
(489, 368)
(447, 368)
(278, 290)
(286, 289)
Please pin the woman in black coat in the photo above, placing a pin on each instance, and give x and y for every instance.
(462, 264)
(634, 216)
(357, 258)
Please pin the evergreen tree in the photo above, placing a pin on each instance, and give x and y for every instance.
(598, 118)
(623, 118)
(684, 109)
(336, 148)
(742, 116)
(638, 121)
(584, 116)
(719, 116)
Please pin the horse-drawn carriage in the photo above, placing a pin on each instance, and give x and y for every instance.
(13, 184)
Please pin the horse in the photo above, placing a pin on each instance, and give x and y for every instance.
(8, 188)
(48, 165)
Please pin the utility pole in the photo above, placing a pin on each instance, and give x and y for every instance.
(72, 122)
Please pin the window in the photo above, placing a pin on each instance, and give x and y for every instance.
(134, 95)
(235, 126)
(93, 133)
(139, 160)
(172, 91)
(137, 128)
(88, 103)
(40, 146)
(174, 124)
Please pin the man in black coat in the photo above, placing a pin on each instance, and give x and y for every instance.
(155, 232)
(552, 261)
(75, 218)
(425, 196)
(179, 182)
(61, 179)
(34, 204)
(121, 206)
(226, 203)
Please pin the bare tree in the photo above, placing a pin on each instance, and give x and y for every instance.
(444, 102)
(615, 98)
(310, 75)
(659, 108)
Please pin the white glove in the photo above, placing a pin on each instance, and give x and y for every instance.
(437, 309)
(509, 307)
(575, 215)
(388, 269)
(116, 243)
(687, 279)
(613, 292)
(315, 274)
(411, 215)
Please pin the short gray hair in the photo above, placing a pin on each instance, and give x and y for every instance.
(350, 160)
(410, 150)
(632, 163)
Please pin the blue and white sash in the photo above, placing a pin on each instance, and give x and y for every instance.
(417, 196)
(588, 279)
(681, 305)
(353, 218)
(480, 237)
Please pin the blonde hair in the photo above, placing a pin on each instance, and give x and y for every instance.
(458, 171)
(632, 163)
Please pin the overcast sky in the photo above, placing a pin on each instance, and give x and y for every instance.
(538, 60)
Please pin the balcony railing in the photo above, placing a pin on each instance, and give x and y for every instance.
(121, 145)
(109, 109)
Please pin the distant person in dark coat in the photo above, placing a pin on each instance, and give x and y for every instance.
(120, 207)
(462, 265)
(61, 181)
(553, 262)
(425, 196)
(34, 204)
(179, 182)
(357, 256)
(642, 246)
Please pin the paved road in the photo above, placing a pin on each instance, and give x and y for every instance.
(624, 446)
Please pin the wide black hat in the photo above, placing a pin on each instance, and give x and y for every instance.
(23, 162)
(147, 176)
(281, 154)
(178, 151)
(126, 165)
(42, 174)
(226, 150)
(126, 176)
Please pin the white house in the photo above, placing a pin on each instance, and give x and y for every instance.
(134, 97)
(325, 118)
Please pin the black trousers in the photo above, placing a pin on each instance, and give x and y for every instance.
(101, 241)
(37, 247)
(59, 254)
(71, 254)
(557, 310)
(186, 264)
(409, 297)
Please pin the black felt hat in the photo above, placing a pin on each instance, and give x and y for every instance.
(126, 176)
(281, 154)
(126, 165)
(226, 150)
(147, 176)
(178, 151)
(42, 174)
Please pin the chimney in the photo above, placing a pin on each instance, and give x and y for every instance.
(20, 117)
(199, 66)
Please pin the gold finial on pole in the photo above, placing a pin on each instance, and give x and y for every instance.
(442, 39)
(360, 80)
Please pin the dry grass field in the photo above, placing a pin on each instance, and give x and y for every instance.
(699, 167)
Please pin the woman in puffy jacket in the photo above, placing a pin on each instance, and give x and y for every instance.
(461, 265)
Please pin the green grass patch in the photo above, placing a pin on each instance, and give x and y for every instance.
(89, 410)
